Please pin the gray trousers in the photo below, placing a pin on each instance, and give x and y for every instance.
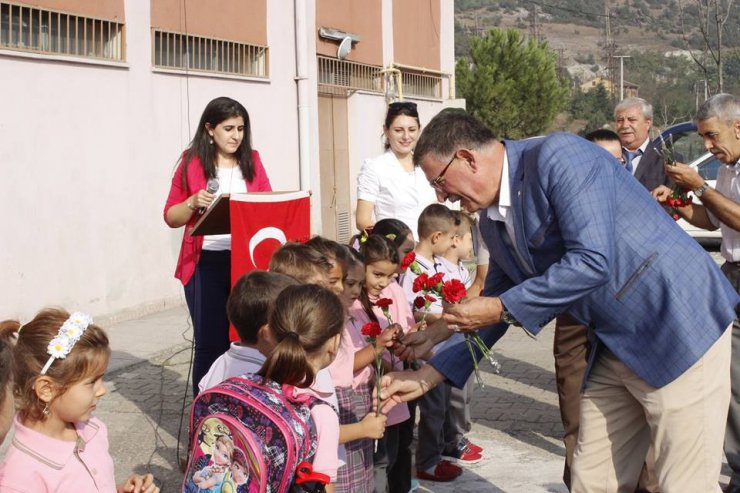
(459, 422)
(732, 433)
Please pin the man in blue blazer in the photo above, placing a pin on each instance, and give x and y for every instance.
(570, 231)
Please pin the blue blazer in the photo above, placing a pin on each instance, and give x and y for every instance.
(592, 242)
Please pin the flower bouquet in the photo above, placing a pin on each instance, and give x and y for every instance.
(453, 292)
(679, 196)
(427, 286)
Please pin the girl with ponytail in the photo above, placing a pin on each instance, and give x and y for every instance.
(307, 324)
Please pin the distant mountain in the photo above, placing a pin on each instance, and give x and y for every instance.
(578, 26)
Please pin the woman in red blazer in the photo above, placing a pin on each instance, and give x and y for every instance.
(220, 149)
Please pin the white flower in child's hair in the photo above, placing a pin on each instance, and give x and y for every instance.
(80, 319)
(72, 330)
(59, 347)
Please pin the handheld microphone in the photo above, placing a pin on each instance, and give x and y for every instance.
(211, 187)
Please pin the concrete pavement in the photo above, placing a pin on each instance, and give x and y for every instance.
(516, 416)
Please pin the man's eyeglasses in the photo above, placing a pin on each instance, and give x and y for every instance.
(438, 182)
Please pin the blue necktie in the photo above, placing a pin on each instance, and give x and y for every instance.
(629, 156)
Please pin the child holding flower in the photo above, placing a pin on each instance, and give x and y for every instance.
(456, 445)
(392, 458)
(438, 228)
(352, 375)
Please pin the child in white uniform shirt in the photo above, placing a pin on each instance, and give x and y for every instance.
(457, 447)
(250, 303)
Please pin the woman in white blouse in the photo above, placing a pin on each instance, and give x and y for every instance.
(389, 186)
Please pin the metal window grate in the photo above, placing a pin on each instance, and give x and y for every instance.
(342, 74)
(38, 30)
(418, 84)
(187, 52)
(344, 228)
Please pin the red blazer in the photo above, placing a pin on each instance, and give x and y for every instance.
(196, 180)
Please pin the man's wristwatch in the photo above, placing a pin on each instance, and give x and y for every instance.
(700, 191)
(508, 318)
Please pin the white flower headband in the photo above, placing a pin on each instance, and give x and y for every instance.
(69, 333)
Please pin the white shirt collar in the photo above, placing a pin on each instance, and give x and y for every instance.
(498, 212)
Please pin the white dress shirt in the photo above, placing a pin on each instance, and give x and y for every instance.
(728, 184)
(395, 192)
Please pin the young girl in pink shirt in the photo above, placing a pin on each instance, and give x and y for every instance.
(59, 363)
(392, 460)
(307, 325)
(360, 426)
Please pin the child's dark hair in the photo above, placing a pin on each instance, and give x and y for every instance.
(332, 250)
(394, 229)
(304, 318)
(88, 356)
(299, 261)
(376, 248)
(354, 257)
(465, 222)
(602, 135)
(8, 333)
(252, 299)
(436, 217)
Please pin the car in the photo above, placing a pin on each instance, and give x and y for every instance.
(707, 165)
(687, 146)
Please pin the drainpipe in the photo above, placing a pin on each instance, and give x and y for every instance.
(301, 79)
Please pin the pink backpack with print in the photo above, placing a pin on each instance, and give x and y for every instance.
(251, 435)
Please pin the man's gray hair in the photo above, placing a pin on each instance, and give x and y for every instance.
(647, 108)
(725, 107)
(450, 130)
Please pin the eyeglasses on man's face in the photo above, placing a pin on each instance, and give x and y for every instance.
(438, 182)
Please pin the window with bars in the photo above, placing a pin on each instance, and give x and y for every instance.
(343, 74)
(38, 30)
(187, 52)
(419, 84)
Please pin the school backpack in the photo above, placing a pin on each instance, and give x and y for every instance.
(251, 435)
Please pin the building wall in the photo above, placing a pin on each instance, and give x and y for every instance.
(89, 150)
(243, 21)
(361, 17)
(416, 33)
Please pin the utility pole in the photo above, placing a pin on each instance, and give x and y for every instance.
(609, 46)
(561, 63)
(621, 74)
(534, 24)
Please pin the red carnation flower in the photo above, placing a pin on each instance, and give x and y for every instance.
(407, 260)
(384, 303)
(454, 291)
(370, 329)
(420, 302)
(434, 280)
(420, 283)
(430, 298)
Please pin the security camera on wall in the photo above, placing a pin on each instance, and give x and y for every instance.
(344, 48)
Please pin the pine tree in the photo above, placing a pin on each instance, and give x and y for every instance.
(511, 84)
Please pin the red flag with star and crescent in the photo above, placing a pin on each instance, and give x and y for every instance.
(260, 224)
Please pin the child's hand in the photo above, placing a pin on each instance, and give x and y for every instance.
(387, 337)
(139, 484)
(374, 425)
(418, 327)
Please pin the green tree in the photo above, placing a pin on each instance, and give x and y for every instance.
(511, 84)
(594, 106)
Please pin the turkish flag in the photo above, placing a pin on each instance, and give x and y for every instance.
(260, 224)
